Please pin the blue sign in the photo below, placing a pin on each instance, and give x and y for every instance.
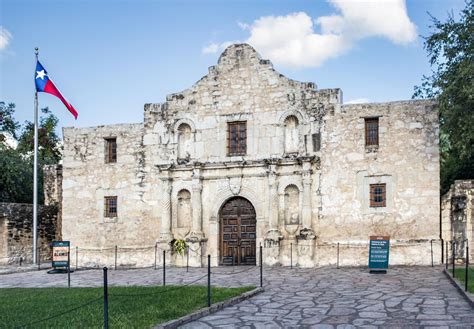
(379, 252)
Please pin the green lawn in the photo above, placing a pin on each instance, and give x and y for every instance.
(25, 307)
(461, 274)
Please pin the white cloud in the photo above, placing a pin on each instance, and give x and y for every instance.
(5, 37)
(293, 41)
(211, 48)
(358, 101)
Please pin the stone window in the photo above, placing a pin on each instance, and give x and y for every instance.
(110, 150)
(184, 141)
(378, 195)
(291, 134)
(184, 209)
(110, 206)
(371, 131)
(236, 138)
(316, 142)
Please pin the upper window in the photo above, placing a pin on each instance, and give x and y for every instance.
(237, 138)
(110, 206)
(378, 195)
(372, 131)
(110, 150)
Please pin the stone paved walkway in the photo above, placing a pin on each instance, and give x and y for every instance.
(406, 297)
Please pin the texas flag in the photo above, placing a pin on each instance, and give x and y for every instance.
(46, 85)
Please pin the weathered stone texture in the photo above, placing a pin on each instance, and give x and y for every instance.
(16, 235)
(457, 218)
(407, 160)
(306, 171)
(87, 180)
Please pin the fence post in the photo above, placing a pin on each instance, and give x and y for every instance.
(447, 259)
(442, 250)
(77, 252)
(261, 266)
(39, 258)
(454, 256)
(187, 259)
(69, 268)
(338, 255)
(115, 268)
(164, 267)
(208, 280)
(466, 276)
(106, 301)
(21, 261)
(432, 264)
(233, 261)
(156, 250)
(291, 255)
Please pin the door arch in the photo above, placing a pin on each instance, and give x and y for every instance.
(238, 226)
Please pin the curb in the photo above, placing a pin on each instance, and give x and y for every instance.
(24, 269)
(208, 310)
(467, 296)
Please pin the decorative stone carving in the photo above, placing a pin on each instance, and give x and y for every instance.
(305, 247)
(272, 246)
(306, 234)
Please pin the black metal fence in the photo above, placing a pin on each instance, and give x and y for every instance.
(106, 295)
(454, 258)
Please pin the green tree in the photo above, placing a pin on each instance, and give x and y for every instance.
(16, 174)
(49, 151)
(8, 124)
(450, 50)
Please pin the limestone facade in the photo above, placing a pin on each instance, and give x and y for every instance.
(457, 220)
(305, 168)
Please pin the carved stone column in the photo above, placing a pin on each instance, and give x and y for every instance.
(273, 235)
(307, 210)
(306, 235)
(195, 238)
(165, 233)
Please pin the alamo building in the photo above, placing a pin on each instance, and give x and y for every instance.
(247, 157)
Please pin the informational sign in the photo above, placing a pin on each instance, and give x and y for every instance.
(61, 253)
(378, 253)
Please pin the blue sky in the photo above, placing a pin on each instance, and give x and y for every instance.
(109, 58)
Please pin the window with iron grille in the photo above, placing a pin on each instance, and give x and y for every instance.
(378, 195)
(110, 150)
(372, 131)
(110, 206)
(237, 138)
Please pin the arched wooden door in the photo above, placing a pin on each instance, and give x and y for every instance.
(238, 224)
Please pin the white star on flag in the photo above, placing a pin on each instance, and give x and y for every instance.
(40, 74)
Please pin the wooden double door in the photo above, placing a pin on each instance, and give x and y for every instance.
(238, 225)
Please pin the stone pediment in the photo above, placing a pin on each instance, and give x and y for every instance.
(241, 68)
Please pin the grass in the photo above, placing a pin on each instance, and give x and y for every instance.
(26, 307)
(460, 274)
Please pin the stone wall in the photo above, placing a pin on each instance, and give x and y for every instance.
(16, 223)
(306, 172)
(457, 219)
(406, 160)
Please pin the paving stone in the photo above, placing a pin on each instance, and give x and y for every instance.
(406, 297)
(341, 311)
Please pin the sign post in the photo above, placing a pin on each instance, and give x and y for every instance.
(61, 257)
(378, 254)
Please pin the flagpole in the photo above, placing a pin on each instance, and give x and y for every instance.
(35, 177)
